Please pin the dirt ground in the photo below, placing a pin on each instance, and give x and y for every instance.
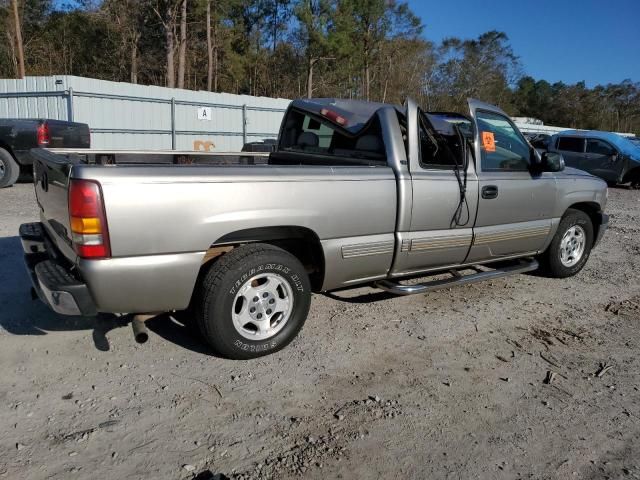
(447, 385)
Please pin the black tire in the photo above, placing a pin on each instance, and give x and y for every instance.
(551, 258)
(9, 169)
(216, 300)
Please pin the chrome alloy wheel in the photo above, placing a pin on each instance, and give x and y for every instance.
(572, 246)
(262, 306)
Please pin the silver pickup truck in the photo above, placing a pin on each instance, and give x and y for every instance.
(355, 193)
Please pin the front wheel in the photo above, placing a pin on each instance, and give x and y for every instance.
(253, 301)
(571, 245)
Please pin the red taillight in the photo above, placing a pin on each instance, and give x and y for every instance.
(333, 116)
(87, 219)
(44, 137)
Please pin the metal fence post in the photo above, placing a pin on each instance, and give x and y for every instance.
(70, 104)
(173, 123)
(244, 124)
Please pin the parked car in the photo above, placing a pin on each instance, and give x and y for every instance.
(19, 136)
(607, 155)
(356, 193)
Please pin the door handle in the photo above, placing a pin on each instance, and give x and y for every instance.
(489, 191)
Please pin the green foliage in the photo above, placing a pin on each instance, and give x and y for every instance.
(371, 49)
(613, 107)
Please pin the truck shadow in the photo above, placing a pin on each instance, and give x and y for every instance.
(21, 315)
(183, 334)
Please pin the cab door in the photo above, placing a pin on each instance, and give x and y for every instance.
(602, 159)
(444, 196)
(515, 205)
(572, 150)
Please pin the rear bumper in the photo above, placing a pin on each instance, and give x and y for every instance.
(604, 224)
(52, 279)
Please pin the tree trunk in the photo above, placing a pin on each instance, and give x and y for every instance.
(168, 28)
(182, 54)
(310, 65)
(14, 58)
(209, 48)
(216, 51)
(134, 58)
(18, 30)
(275, 24)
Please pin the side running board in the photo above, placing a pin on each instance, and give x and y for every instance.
(457, 278)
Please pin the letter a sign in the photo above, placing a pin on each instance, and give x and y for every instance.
(204, 113)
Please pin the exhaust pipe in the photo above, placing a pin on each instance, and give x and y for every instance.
(140, 332)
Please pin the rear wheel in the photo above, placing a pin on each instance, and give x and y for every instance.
(571, 245)
(9, 169)
(253, 301)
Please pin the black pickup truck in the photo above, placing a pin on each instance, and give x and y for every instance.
(19, 136)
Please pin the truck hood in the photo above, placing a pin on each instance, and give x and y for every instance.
(572, 181)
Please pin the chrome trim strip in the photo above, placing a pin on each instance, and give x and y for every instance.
(483, 238)
(422, 244)
(366, 249)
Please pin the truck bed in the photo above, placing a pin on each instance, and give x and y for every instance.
(166, 216)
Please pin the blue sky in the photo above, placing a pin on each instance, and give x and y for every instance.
(556, 40)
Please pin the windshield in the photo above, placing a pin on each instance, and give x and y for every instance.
(635, 141)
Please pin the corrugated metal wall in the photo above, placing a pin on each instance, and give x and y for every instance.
(128, 116)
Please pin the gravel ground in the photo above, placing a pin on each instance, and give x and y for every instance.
(444, 385)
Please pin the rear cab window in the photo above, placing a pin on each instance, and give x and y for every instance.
(307, 134)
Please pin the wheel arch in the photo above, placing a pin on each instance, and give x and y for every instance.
(7, 147)
(593, 210)
(301, 242)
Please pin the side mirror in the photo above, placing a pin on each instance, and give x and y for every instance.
(552, 162)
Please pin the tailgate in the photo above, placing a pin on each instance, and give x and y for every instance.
(51, 181)
(68, 134)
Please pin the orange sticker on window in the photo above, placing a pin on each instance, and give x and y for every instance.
(488, 141)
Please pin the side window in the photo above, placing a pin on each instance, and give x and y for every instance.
(503, 147)
(436, 149)
(599, 147)
(571, 144)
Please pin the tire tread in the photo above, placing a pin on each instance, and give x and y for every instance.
(212, 283)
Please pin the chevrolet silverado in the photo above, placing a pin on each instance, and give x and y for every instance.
(355, 193)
